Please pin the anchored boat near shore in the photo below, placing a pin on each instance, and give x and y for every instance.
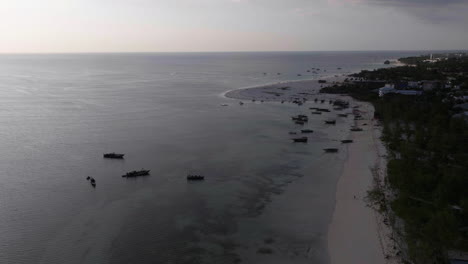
(305, 131)
(191, 177)
(331, 150)
(301, 139)
(132, 174)
(113, 155)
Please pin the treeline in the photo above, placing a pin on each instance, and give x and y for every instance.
(401, 73)
(428, 169)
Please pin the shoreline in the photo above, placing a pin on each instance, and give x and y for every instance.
(274, 92)
(356, 232)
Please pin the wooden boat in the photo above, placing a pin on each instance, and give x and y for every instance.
(330, 122)
(343, 115)
(317, 113)
(301, 139)
(299, 123)
(323, 110)
(356, 129)
(305, 131)
(141, 172)
(297, 118)
(195, 177)
(292, 133)
(113, 156)
(331, 150)
(347, 141)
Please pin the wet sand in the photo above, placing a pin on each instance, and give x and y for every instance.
(284, 91)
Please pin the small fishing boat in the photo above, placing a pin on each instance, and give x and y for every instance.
(241, 103)
(331, 150)
(305, 131)
(299, 123)
(317, 113)
(323, 110)
(301, 139)
(356, 129)
(343, 115)
(292, 133)
(191, 177)
(347, 141)
(113, 156)
(330, 122)
(132, 174)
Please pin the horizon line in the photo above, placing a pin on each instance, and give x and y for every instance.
(253, 51)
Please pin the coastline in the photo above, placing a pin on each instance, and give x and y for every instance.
(356, 232)
(274, 93)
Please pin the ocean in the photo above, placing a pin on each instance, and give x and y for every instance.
(264, 198)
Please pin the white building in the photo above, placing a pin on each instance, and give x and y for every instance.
(390, 88)
(413, 84)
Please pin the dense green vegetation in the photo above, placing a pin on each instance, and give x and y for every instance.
(427, 166)
(428, 157)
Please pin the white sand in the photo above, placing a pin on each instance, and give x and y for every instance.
(357, 233)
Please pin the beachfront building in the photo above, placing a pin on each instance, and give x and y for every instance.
(413, 84)
(431, 85)
(390, 88)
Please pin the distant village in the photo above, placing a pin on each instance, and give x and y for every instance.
(445, 74)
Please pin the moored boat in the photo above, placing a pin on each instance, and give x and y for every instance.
(301, 139)
(131, 174)
(113, 155)
(330, 122)
(331, 150)
(347, 141)
(356, 129)
(305, 131)
(191, 177)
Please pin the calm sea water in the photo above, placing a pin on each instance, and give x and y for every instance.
(59, 113)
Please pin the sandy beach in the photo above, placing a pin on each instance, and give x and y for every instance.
(356, 232)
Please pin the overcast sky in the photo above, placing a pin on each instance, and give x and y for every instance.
(231, 25)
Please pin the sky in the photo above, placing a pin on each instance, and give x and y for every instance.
(56, 26)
